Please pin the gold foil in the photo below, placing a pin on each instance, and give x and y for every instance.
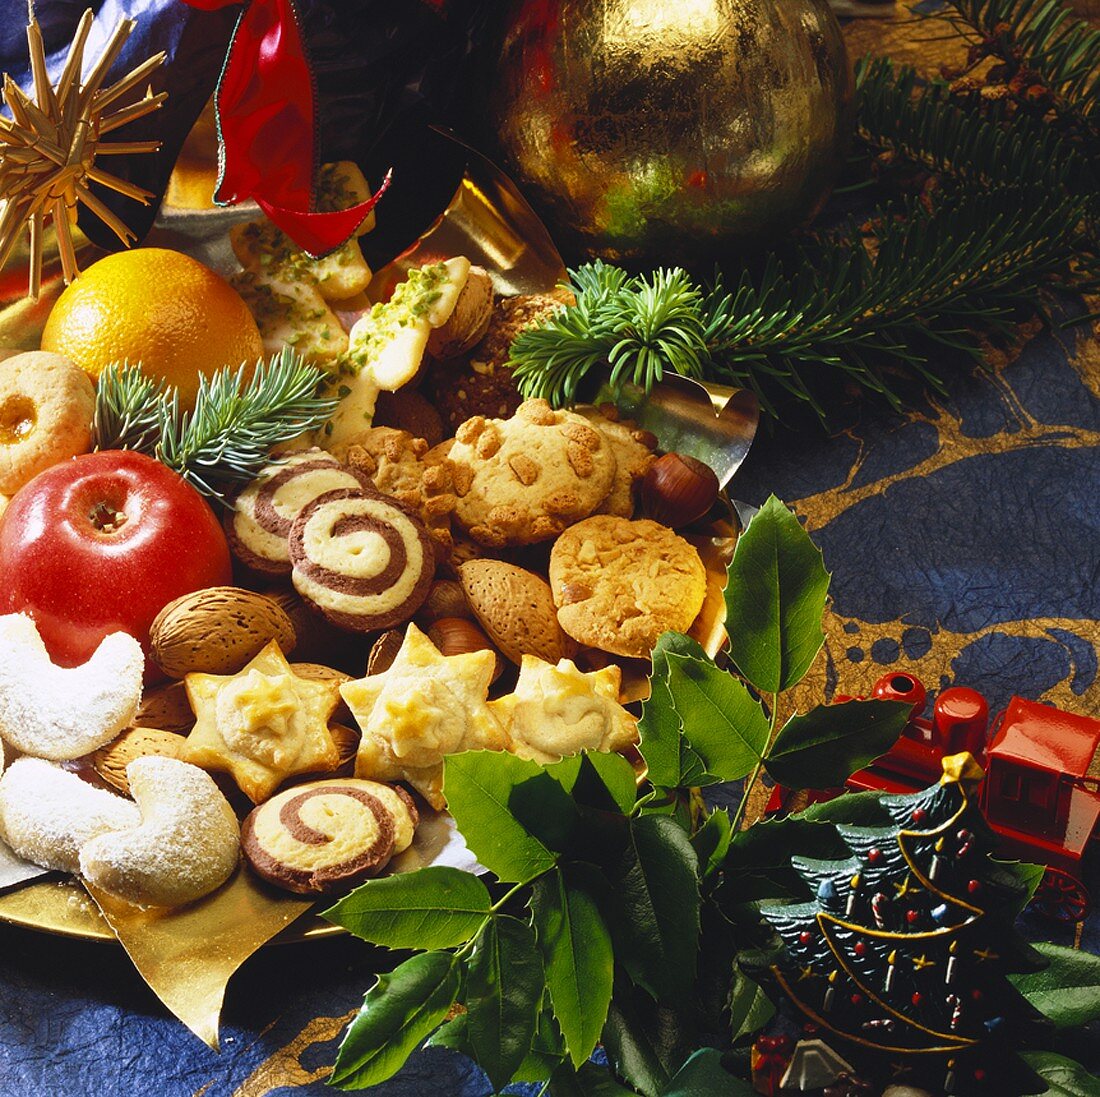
(659, 131)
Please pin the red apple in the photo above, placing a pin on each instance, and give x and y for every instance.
(101, 544)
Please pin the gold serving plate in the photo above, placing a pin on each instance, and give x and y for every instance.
(188, 955)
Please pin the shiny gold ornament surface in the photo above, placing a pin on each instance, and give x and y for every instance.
(662, 130)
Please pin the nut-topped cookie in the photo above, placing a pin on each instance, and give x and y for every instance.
(619, 584)
(525, 479)
(633, 449)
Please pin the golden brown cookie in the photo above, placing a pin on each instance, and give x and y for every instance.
(633, 449)
(46, 408)
(619, 584)
(525, 479)
(395, 462)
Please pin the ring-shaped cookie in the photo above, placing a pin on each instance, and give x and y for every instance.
(46, 409)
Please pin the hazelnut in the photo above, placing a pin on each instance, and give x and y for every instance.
(468, 321)
(678, 489)
(445, 599)
(457, 636)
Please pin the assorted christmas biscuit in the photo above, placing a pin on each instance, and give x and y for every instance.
(480, 555)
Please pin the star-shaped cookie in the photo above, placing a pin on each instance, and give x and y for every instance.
(262, 725)
(426, 706)
(559, 710)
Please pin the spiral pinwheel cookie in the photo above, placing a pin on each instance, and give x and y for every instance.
(361, 559)
(259, 525)
(327, 836)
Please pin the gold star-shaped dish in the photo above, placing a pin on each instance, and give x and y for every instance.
(425, 706)
(262, 725)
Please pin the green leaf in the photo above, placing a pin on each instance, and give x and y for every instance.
(546, 1054)
(825, 746)
(722, 722)
(758, 861)
(452, 1034)
(646, 1042)
(712, 841)
(479, 786)
(434, 907)
(858, 809)
(576, 950)
(1064, 1077)
(399, 1012)
(704, 1076)
(598, 779)
(750, 1008)
(590, 1080)
(775, 599)
(1068, 990)
(671, 762)
(504, 984)
(655, 900)
(1027, 876)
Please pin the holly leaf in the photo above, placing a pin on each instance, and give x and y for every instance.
(712, 842)
(546, 1053)
(399, 1012)
(670, 760)
(1025, 876)
(758, 861)
(1067, 990)
(655, 902)
(598, 779)
(434, 907)
(857, 809)
(452, 1034)
(576, 950)
(590, 1080)
(645, 1041)
(750, 1008)
(704, 1076)
(722, 722)
(480, 786)
(504, 984)
(775, 599)
(1064, 1077)
(825, 746)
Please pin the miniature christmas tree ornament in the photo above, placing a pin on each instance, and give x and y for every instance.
(920, 981)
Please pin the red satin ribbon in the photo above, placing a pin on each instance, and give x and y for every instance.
(266, 124)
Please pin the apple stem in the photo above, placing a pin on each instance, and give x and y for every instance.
(106, 519)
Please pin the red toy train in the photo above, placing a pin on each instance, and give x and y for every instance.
(1041, 792)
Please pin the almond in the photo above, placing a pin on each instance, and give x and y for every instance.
(217, 631)
(166, 708)
(110, 762)
(516, 608)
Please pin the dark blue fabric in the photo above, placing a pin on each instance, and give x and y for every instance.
(965, 545)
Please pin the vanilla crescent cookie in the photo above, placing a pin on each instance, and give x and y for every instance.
(46, 409)
(525, 479)
(619, 584)
(259, 525)
(48, 813)
(329, 835)
(65, 712)
(185, 846)
(364, 561)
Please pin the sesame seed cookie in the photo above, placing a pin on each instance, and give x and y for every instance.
(619, 584)
(525, 479)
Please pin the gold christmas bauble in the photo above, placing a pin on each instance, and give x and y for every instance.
(672, 130)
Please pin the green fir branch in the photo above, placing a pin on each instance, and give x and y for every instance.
(236, 422)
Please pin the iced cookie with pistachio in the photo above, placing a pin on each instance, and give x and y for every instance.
(262, 725)
(425, 706)
(387, 344)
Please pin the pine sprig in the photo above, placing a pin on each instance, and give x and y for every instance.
(235, 424)
(1041, 40)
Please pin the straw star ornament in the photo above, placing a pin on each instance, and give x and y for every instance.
(50, 145)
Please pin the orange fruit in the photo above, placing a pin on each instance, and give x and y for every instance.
(156, 307)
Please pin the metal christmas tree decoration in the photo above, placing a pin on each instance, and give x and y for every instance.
(50, 145)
